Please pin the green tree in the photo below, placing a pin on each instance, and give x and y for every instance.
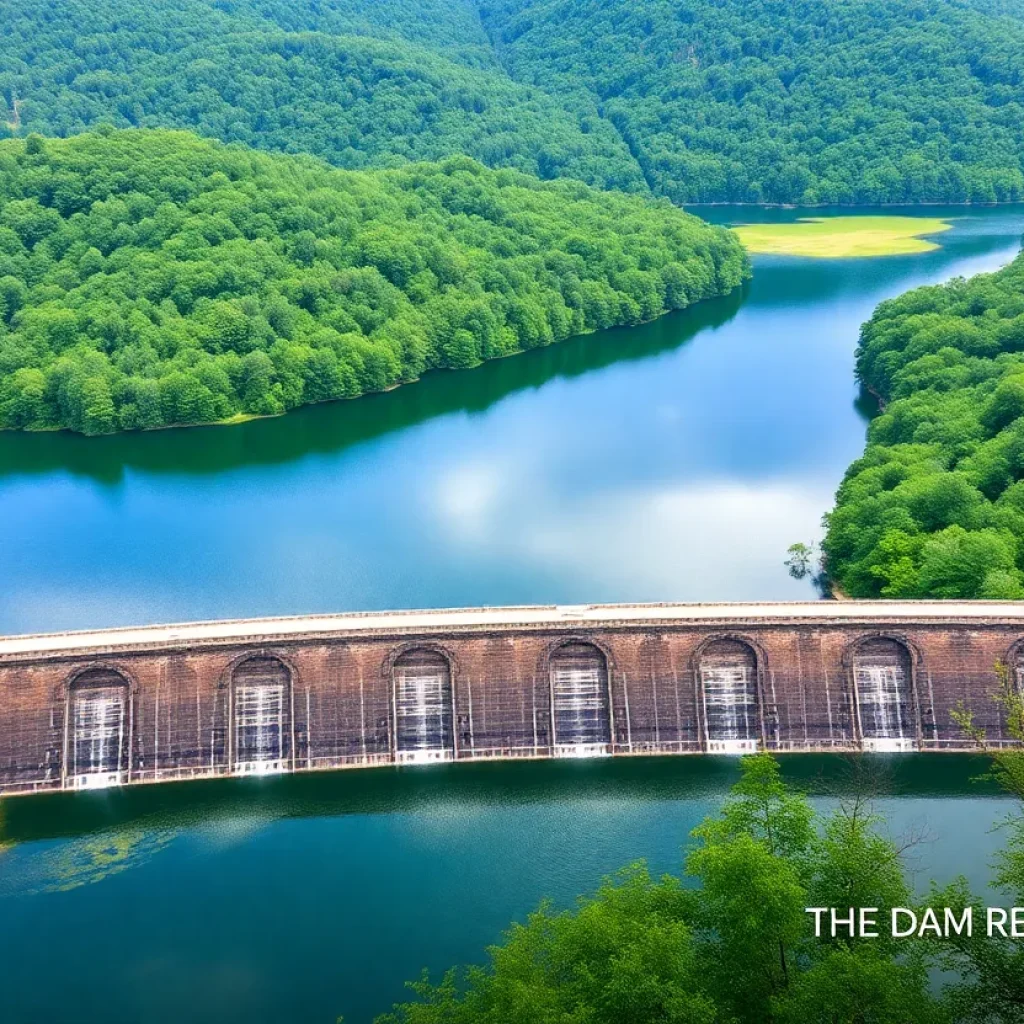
(799, 561)
(729, 943)
(990, 967)
(97, 406)
(152, 277)
(752, 866)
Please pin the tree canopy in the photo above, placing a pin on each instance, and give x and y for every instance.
(850, 101)
(845, 101)
(935, 507)
(152, 277)
(359, 84)
(729, 941)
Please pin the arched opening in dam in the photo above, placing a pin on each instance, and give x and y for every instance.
(728, 678)
(261, 715)
(580, 705)
(98, 715)
(422, 689)
(882, 685)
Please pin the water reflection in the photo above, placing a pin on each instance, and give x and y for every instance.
(676, 461)
(333, 427)
(299, 898)
(116, 819)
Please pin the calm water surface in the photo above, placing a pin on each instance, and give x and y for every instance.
(675, 461)
(298, 899)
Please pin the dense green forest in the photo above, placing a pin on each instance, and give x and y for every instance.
(849, 101)
(357, 83)
(151, 277)
(730, 941)
(935, 508)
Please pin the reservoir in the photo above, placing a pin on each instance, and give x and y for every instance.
(671, 462)
(674, 461)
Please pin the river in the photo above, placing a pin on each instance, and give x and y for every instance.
(674, 461)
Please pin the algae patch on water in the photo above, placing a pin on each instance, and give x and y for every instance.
(837, 237)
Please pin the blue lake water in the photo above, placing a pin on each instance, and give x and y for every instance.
(671, 462)
(296, 899)
(675, 461)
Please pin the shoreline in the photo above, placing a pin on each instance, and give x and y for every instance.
(239, 418)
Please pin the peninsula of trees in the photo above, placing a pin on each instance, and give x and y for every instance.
(935, 507)
(150, 278)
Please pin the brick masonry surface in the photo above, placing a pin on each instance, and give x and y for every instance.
(116, 712)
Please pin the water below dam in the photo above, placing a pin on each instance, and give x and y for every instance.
(299, 898)
(675, 461)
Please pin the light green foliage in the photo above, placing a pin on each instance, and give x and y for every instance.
(845, 101)
(861, 985)
(152, 277)
(935, 508)
(752, 863)
(361, 83)
(732, 945)
(990, 968)
(625, 955)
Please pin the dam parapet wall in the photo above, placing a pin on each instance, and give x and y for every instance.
(159, 703)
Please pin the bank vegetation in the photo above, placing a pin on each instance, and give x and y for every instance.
(935, 506)
(150, 278)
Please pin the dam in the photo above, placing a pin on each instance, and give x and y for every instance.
(162, 703)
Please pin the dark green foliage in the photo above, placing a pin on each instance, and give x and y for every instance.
(935, 508)
(844, 101)
(152, 277)
(850, 101)
(733, 945)
(358, 83)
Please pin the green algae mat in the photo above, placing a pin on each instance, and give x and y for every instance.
(837, 237)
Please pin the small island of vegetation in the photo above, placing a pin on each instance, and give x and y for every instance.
(150, 278)
(843, 237)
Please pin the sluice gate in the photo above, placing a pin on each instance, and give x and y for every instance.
(158, 703)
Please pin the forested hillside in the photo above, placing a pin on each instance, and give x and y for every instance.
(153, 277)
(844, 101)
(358, 83)
(935, 508)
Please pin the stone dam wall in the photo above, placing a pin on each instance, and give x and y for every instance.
(84, 710)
